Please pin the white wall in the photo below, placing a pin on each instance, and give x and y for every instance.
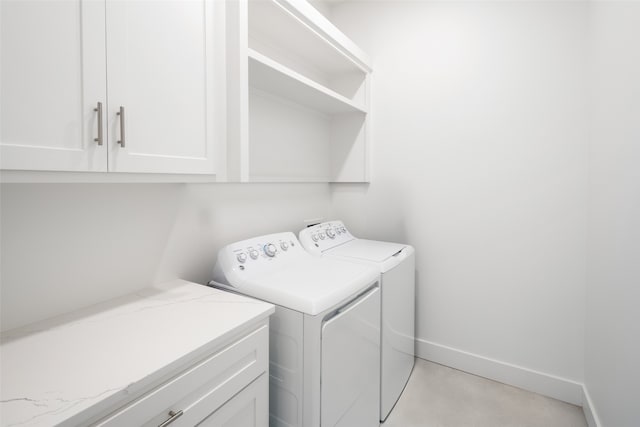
(65, 246)
(612, 368)
(480, 162)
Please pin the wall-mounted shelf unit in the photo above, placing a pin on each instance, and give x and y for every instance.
(298, 101)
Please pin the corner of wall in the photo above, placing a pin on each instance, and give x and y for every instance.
(589, 410)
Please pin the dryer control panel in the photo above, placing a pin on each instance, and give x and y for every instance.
(324, 236)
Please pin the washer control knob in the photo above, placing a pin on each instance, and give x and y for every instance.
(314, 237)
(270, 249)
(284, 246)
(253, 254)
(321, 235)
(331, 233)
(242, 257)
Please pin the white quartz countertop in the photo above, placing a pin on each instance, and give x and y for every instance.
(69, 369)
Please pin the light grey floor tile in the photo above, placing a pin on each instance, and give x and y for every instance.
(438, 396)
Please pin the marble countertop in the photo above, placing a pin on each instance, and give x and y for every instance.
(69, 369)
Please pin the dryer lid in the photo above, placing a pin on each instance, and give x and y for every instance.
(367, 250)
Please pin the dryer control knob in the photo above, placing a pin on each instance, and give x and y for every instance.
(331, 233)
(242, 257)
(270, 249)
(253, 254)
(284, 246)
(314, 237)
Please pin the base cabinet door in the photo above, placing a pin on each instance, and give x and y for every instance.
(249, 408)
(52, 77)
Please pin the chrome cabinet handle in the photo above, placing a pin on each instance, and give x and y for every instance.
(121, 114)
(98, 109)
(172, 414)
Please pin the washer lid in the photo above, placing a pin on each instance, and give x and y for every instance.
(367, 250)
(311, 286)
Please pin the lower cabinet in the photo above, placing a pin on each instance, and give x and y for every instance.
(249, 408)
(229, 388)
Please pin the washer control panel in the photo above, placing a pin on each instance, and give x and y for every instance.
(258, 255)
(321, 237)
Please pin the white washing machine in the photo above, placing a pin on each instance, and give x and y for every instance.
(396, 264)
(324, 336)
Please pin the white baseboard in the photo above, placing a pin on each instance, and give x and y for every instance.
(517, 376)
(589, 410)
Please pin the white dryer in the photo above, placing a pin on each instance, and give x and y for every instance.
(396, 264)
(324, 336)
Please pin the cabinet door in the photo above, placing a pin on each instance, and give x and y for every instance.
(249, 408)
(160, 70)
(52, 77)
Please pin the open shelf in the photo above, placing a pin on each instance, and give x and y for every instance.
(290, 142)
(270, 76)
(298, 29)
(298, 96)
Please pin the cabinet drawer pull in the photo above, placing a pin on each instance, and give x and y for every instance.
(172, 417)
(98, 110)
(121, 114)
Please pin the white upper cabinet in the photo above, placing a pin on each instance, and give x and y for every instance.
(160, 71)
(52, 78)
(153, 60)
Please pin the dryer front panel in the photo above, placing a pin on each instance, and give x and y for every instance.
(351, 363)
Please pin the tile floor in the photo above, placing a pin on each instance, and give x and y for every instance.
(438, 396)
